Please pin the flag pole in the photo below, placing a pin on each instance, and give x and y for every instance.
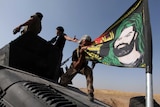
(148, 56)
(149, 91)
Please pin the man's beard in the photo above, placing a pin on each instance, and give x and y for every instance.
(126, 49)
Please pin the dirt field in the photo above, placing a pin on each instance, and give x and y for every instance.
(117, 98)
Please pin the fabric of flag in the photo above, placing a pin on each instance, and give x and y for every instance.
(123, 43)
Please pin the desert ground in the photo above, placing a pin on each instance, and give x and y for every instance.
(117, 98)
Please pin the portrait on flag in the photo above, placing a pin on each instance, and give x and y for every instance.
(128, 45)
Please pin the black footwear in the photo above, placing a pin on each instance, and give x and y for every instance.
(65, 85)
(91, 97)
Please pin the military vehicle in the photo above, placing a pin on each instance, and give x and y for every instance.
(29, 77)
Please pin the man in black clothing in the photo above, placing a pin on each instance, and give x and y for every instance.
(59, 42)
(60, 39)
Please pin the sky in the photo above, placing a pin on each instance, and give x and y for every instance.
(79, 17)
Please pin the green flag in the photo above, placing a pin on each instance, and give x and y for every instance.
(123, 43)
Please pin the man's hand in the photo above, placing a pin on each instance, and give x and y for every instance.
(84, 48)
(75, 39)
(17, 29)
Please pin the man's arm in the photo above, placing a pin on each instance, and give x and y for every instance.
(28, 22)
(53, 40)
(81, 59)
(70, 39)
